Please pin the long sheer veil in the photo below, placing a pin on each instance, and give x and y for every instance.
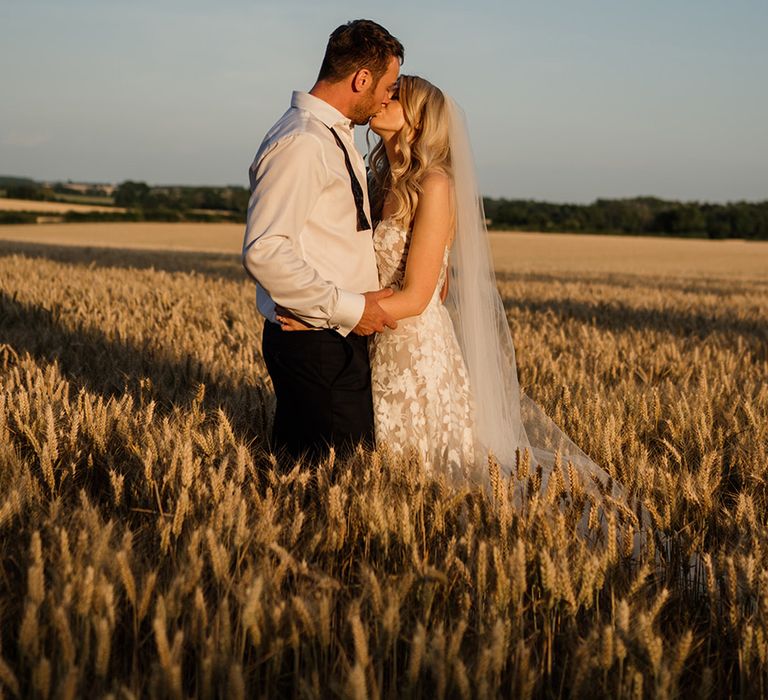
(507, 421)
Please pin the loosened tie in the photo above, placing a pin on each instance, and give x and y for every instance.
(357, 190)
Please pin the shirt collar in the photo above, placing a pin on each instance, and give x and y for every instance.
(326, 113)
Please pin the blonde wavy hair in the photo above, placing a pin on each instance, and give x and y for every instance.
(423, 144)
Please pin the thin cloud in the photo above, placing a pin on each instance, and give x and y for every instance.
(25, 139)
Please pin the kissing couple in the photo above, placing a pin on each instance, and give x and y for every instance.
(383, 323)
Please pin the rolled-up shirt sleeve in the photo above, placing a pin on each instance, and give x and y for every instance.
(286, 183)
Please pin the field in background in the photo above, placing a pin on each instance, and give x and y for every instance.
(53, 207)
(525, 252)
(149, 545)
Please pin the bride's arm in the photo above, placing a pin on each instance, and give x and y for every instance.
(432, 231)
(432, 228)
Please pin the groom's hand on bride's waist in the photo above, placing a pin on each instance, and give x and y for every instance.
(374, 318)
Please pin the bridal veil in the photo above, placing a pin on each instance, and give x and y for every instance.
(507, 421)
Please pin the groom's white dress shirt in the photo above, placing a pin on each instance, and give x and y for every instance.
(301, 242)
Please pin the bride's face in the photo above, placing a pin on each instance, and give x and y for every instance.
(389, 119)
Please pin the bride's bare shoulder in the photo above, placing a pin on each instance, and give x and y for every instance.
(435, 206)
(436, 185)
(436, 180)
(437, 193)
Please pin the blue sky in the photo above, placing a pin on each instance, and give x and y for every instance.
(567, 101)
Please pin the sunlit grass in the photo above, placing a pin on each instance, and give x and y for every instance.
(149, 546)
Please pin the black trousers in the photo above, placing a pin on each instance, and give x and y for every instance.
(322, 384)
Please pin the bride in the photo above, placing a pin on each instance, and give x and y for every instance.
(444, 382)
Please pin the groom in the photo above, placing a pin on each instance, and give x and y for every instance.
(308, 246)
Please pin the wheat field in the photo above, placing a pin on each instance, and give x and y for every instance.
(150, 547)
(9, 204)
(522, 252)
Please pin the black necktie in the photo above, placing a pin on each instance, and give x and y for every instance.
(357, 190)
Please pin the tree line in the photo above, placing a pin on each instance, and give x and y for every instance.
(638, 215)
(172, 203)
(143, 202)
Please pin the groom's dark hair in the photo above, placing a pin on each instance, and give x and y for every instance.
(359, 44)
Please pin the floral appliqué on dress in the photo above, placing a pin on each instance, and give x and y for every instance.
(421, 397)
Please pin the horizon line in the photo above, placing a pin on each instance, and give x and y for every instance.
(97, 183)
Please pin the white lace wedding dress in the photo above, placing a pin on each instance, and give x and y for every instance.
(422, 403)
(427, 373)
(422, 399)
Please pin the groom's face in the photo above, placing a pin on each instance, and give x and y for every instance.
(378, 95)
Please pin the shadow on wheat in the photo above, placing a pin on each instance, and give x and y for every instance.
(151, 547)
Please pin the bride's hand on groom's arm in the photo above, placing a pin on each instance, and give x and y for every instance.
(289, 322)
(374, 318)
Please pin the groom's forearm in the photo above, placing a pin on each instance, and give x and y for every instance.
(285, 185)
(291, 282)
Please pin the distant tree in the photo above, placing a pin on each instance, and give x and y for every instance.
(132, 194)
(17, 217)
(681, 220)
(33, 191)
(718, 221)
